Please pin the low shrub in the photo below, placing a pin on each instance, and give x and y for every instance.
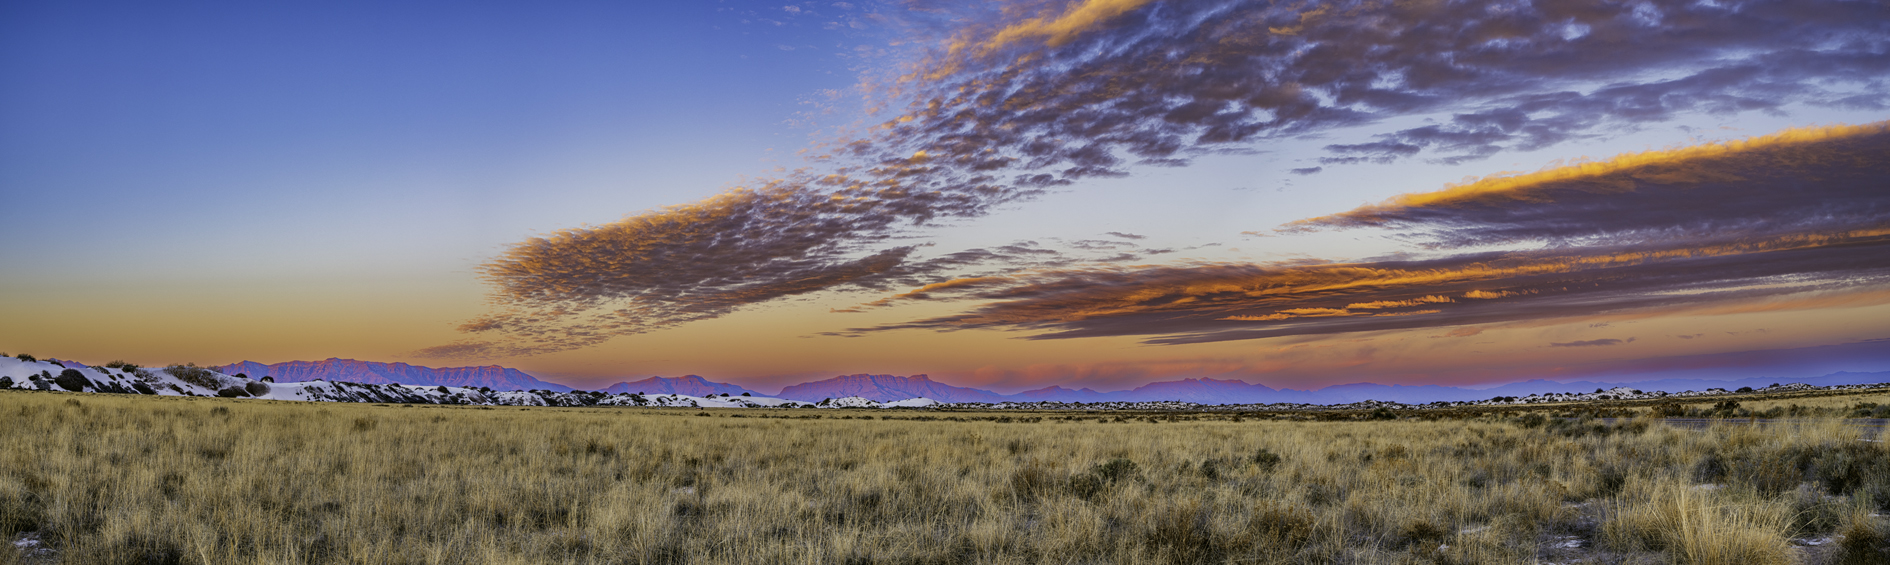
(1669, 410)
(1854, 468)
(1100, 478)
(73, 380)
(26, 358)
(1865, 542)
(199, 376)
(1769, 472)
(1266, 460)
(1033, 481)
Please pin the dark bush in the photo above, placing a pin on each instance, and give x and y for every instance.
(1864, 543)
(143, 388)
(1814, 514)
(1768, 472)
(199, 376)
(26, 358)
(1032, 481)
(6, 382)
(256, 388)
(1183, 536)
(73, 380)
(21, 510)
(233, 392)
(1669, 410)
(1115, 469)
(1852, 468)
(268, 379)
(1266, 460)
(1611, 481)
(1420, 534)
(1099, 478)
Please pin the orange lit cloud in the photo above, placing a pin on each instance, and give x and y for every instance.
(1755, 250)
(1036, 94)
(1808, 180)
(1198, 304)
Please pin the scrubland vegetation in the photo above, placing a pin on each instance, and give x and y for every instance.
(128, 479)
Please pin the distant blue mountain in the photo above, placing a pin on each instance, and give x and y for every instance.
(375, 372)
(690, 385)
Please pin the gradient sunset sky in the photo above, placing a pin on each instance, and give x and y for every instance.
(1006, 195)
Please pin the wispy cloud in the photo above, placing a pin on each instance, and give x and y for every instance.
(1819, 229)
(1028, 95)
(1592, 342)
(1799, 181)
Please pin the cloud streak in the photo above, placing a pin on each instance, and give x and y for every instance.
(1799, 181)
(1796, 220)
(1033, 95)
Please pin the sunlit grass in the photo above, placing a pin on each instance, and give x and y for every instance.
(121, 479)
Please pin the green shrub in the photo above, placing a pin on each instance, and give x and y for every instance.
(27, 358)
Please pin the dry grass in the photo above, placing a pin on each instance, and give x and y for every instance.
(1834, 402)
(118, 479)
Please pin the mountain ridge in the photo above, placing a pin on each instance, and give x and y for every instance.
(886, 388)
(692, 385)
(335, 369)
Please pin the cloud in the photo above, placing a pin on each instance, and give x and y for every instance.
(1799, 181)
(1590, 343)
(1078, 86)
(1019, 97)
(1658, 232)
(1219, 302)
(1461, 332)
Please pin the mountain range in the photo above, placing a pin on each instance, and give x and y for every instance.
(374, 372)
(886, 388)
(690, 385)
(889, 388)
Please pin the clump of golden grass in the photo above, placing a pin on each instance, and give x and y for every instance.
(117, 479)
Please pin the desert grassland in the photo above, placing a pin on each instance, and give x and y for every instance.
(125, 479)
(1832, 402)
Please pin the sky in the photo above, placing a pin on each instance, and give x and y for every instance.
(1006, 195)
